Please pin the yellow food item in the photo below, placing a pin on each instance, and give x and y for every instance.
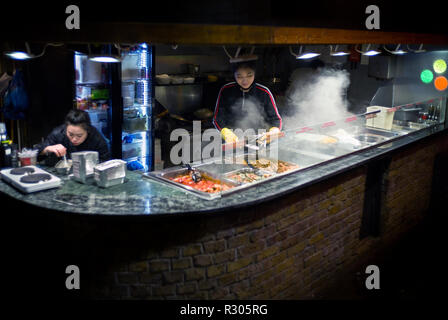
(328, 140)
(228, 135)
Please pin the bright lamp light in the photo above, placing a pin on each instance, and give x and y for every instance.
(104, 59)
(19, 55)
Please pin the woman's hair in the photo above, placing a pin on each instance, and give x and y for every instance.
(244, 64)
(78, 118)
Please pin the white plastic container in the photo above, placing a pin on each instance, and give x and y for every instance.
(163, 79)
(189, 80)
(177, 80)
(27, 157)
(128, 93)
(383, 119)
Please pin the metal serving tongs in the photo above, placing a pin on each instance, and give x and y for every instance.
(255, 142)
(248, 146)
(255, 138)
(195, 175)
(261, 140)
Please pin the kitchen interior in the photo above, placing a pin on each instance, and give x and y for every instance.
(334, 100)
(344, 100)
(352, 124)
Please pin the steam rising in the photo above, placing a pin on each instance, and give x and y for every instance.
(252, 117)
(313, 97)
(316, 97)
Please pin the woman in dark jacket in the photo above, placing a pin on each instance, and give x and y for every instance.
(244, 104)
(77, 134)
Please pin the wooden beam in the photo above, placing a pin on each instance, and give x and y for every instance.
(208, 34)
(286, 35)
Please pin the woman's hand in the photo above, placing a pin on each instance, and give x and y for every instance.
(271, 135)
(228, 135)
(58, 149)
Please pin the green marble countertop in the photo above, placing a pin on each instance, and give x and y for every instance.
(143, 196)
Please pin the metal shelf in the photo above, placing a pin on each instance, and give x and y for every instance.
(93, 84)
(137, 106)
(133, 80)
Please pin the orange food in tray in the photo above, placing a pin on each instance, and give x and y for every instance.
(204, 185)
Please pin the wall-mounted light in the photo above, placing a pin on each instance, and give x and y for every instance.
(338, 53)
(304, 55)
(397, 50)
(426, 76)
(441, 83)
(439, 66)
(369, 52)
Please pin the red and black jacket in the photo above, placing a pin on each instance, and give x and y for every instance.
(254, 109)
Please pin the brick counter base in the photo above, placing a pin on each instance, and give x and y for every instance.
(290, 248)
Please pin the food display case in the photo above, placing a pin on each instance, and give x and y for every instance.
(250, 162)
(322, 130)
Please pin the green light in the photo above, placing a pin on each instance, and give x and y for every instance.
(439, 66)
(426, 76)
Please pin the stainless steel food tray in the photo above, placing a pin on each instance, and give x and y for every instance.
(167, 174)
(215, 170)
(257, 172)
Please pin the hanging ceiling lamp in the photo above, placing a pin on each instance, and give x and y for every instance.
(20, 54)
(105, 54)
(338, 53)
(397, 50)
(304, 55)
(369, 52)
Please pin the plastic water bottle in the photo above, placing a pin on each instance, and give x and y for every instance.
(14, 156)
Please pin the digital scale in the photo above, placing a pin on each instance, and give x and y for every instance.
(30, 179)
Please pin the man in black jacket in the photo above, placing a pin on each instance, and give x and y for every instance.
(244, 104)
(77, 134)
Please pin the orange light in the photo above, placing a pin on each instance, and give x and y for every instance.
(441, 83)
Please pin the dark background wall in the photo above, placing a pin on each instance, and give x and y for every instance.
(395, 15)
(50, 81)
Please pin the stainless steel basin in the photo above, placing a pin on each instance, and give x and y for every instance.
(368, 138)
(167, 175)
(379, 132)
